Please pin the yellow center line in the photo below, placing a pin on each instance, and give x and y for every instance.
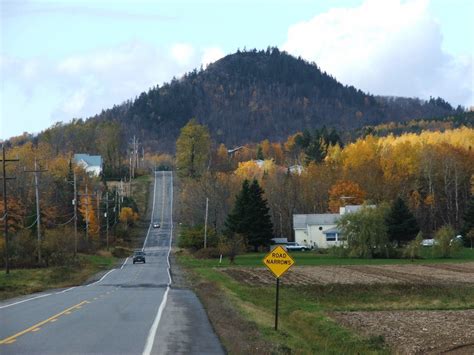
(36, 327)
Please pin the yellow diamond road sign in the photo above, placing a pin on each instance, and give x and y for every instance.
(278, 261)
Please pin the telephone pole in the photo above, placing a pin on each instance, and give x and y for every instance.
(38, 212)
(75, 215)
(205, 223)
(5, 208)
(107, 218)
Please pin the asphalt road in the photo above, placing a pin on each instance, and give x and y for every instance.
(132, 309)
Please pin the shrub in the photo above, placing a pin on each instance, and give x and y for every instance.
(207, 253)
(121, 252)
(232, 245)
(57, 247)
(193, 238)
(445, 246)
(413, 248)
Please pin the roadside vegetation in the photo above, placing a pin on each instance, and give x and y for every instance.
(59, 266)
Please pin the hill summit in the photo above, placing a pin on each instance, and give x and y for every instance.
(253, 95)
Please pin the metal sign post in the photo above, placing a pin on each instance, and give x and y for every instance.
(278, 261)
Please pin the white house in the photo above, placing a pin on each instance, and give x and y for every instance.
(320, 230)
(92, 164)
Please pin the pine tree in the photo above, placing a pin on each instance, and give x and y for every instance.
(401, 223)
(468, 216)
(250, 216)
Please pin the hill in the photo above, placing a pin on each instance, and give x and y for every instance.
(253, 95)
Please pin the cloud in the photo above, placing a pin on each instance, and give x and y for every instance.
(211, 55)
(82, 85)
(182, 53)
(386, 48)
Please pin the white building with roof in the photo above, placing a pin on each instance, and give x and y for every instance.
(320, 231)
(92, 164)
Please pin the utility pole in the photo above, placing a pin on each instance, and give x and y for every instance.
(75, 215)
(38, 212)
(5, 208)
(107, 218)
(205, 223)
(98, 211)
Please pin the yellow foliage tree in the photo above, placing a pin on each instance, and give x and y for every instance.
(127, 216)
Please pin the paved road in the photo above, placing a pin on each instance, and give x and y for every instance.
(131, 310)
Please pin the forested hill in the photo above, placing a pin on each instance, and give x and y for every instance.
(253, 95)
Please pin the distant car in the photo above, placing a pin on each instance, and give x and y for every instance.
(428, 242)
(296, 247)
(139, 256)
(156, 225)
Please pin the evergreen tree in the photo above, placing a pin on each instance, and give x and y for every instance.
(468, 216)
(260, 153)
(250, 216)
(401, 223)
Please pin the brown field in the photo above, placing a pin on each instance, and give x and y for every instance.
(406, 332)
(416, 332)
(360, 274)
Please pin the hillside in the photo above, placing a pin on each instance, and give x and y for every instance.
(268, 93)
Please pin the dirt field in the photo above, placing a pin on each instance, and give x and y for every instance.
(416, 332)
(406, 332)
(360, 274)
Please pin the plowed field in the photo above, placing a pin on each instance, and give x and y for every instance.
(360, 274)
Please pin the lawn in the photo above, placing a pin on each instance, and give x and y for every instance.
(314, 259)
(305, 324)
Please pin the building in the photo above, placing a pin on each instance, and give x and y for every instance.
(320, 230)
(92, 164)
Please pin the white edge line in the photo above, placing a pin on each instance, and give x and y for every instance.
(29, 299)
(152, 333)
(103, 277)
(67, 290)
(124, 263)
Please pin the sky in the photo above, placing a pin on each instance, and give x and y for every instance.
(61, 60)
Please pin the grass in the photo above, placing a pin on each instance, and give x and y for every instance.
(314, 259)
(305, 326)
(25, 281)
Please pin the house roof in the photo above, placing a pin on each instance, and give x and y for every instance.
(300, 221)
(90, 160)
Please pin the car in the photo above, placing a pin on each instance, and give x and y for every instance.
(296, 247)
(428, 242)
(156, 225)
(139, 256)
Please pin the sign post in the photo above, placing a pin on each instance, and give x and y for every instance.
(278, 261)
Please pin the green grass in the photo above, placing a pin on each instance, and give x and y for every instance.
(305, 326)
(314, 259)
(26, 281)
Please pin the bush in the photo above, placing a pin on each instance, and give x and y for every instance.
(232, 245)
(445, 246)
(413, 248)
(193, 238)
(121, 252)
(339, 251)
(57, 247)
(208, 253)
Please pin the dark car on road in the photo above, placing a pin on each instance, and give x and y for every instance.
(139, 257)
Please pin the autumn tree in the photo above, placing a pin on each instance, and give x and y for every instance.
(128, 217)
(345, 192)
(192, 149)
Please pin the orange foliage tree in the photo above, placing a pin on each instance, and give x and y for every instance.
(345, 192)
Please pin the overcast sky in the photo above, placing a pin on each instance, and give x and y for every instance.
(70, 59)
